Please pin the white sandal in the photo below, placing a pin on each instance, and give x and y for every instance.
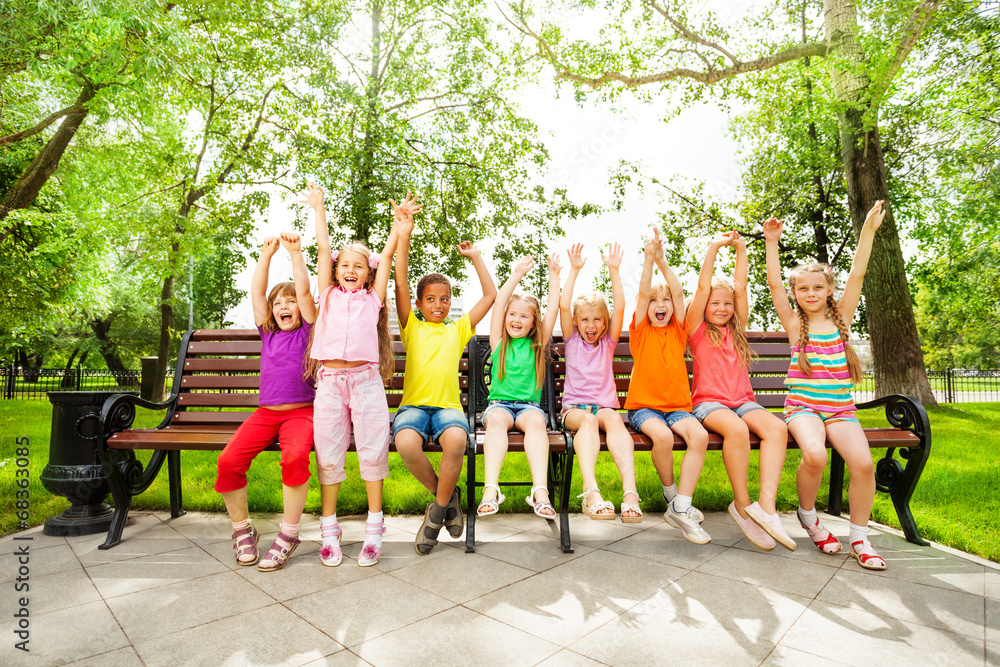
(593, 510)
(627, 507)
(540, 505)
(490, 507)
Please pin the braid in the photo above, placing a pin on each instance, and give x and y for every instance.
(853, 362)
(804, 364)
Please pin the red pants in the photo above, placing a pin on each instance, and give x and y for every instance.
(294, 430)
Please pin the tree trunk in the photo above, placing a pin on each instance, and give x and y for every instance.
(68, 380)
(166, 327)
(108, 349)
(899, 361)
(25, 190)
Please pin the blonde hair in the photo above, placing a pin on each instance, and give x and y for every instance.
(713, 332)
(594, 300)
(660, 290)
(386, 361)
(853, 362)
(535, 334)
(281, 289)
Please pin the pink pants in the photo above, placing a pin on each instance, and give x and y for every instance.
(346, 396)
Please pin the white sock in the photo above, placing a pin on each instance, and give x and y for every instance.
(329, 522)
(669, 491)
(858, 533)
(808, 516)
(376, 540)
(681, 503)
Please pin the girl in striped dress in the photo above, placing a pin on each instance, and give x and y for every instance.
(823, 370)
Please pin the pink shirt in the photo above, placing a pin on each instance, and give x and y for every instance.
(346, 327)
(589, 380)
(719, 373)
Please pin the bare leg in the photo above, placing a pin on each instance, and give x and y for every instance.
(696, 437)
(663, 449)
(848, 438)
(622, 449)
(498, 423)
(453, 444)
(374, 491)
(810, 434)
(587, 444)
(328, 498)
(773, 442)
(410, 446)
(536, 450)
(735, 453)
(294, 500)
(236, 504)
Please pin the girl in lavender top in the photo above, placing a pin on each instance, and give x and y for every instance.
(284, 319)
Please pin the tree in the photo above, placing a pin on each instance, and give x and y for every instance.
(861, 67)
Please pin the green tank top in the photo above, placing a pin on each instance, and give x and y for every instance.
(519, 382)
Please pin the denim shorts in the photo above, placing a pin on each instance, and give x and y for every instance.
(702, 410)
(515, 408)
(428, 421)
(638, 417)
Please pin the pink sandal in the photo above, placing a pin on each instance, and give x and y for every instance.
(246, 544)
(370, 553)
(330, 555)
(277, 554)
(821, 537)
(864, 552)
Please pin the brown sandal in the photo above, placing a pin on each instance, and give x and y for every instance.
(278, 554)
(246, 544)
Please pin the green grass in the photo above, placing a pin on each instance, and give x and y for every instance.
(955, 502)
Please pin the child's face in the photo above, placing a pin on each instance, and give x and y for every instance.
(812, 291)
(286, 312)
(352, 270)
(720, 307)
(435, 304)
(589, 321)
(660, 310)
(519, 320)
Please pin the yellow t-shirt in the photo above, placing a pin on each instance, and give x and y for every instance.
(433, 352)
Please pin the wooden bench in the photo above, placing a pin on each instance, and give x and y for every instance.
(215, 389)
(908, 432)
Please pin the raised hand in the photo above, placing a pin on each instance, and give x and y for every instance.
(270, 245)
(406, 208)
(576, 259)
(467, 250)
(876, 215)
(772, 229)
(652, 244)
(290, 241)
(723, 239)
(554, 266)
(525, 264)
(313, 195)
(737, 240)
(614, 257)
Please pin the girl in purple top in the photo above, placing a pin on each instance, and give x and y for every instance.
(590, 398)
(284, 318)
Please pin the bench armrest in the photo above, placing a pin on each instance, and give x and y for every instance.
(904, 412)
(118, 412)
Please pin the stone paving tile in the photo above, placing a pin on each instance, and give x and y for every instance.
(567, 658)
(584, 531)
(531, 551)
(440, 639)
(343, 658)
(161, 611)
(460, 577)
(49, 593)
(928, 566)
(490, 530)
(993, 653)
(754, 611)
(761, 569)
(39, 540)
(50, 560)
(145, 572)
(551, 607)
(60, 637)
(304, 574)
(269, 635)
(992, 583)
(134, 544)
(648, 635)
(953, 611)
(624, 578)
(398, 551)
(123, 657)
(662, 544)
(365, 609)
(861, 637)
(782, 656)
(992, 620)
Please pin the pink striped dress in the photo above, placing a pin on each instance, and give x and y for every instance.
(828, 390)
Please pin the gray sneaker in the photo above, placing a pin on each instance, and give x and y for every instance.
(694, 511)
(688, 523)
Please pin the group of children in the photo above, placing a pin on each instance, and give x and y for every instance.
(340, 345)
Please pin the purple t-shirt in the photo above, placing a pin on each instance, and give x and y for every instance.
(589, 380)
(282, 366)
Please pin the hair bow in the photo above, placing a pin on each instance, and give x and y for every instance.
(373, 261)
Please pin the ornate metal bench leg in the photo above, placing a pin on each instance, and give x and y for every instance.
(835, 504)
(899, 482)
(174, 478)
(121, 496)
(470, 497)
(565, 479)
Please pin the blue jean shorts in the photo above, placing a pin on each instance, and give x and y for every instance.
(638, 417)
(702, 410)
(515, 408)
(428, 421)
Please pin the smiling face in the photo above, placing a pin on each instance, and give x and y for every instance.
(660, 310)
(720, 307)
(811, 290)
(520, 320)
(590, 322)
(435, 303)
(352, 270)
(285, 309)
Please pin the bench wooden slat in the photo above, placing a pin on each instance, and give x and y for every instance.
(220, 382)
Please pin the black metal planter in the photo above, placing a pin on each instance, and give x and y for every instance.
(74, 470)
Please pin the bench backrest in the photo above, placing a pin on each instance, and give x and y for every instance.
(482, 375)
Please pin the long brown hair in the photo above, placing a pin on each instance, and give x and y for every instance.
(281, 289)
(535, 335)
(853, 362)
(714, 332)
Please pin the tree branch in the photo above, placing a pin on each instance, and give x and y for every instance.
(690, 34)
(918, 20)
(24, 134)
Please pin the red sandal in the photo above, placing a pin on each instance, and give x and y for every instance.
(278, 555)
(865, 554)
(821, 537)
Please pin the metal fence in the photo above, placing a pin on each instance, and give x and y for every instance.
(21, 383)
(951, 385)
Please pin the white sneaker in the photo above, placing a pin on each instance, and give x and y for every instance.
(694, 511)
(688, 523)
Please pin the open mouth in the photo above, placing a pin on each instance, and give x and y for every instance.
(660, 315)
(286, 318)
(350, 282)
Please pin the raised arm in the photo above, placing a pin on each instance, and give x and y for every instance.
(258, 284)
(525, 264)
(742, 305)
(614, 261)
(673, 282)
(696, 312)
(478, 311)
(291, 242)
(779, 296)
(314, 196)
(646, 278)
(548, 323)
(576, 262)
(855, 280)
(404, 228)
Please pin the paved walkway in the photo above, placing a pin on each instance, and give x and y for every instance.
(171, 594)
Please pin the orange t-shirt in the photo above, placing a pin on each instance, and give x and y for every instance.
(659, 374)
